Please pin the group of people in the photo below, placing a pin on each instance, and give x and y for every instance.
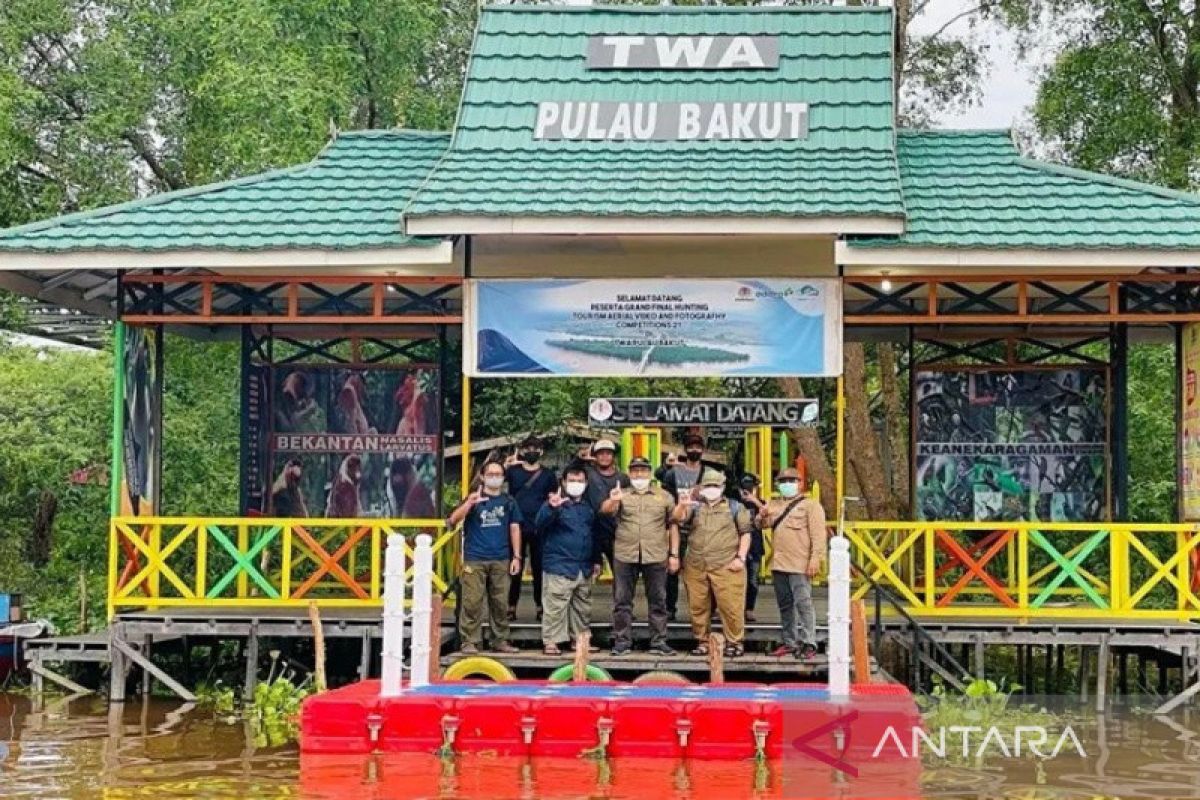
(684, 522)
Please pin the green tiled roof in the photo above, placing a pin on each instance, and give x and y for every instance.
(972, 189)
(838, 60)
(349, 197)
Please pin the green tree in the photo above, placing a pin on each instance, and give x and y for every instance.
(1123, 96)
(100, 102)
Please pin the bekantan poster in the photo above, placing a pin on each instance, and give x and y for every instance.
(354, 441)
(1011, 444)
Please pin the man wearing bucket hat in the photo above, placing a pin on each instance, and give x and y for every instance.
(715, 563)
(647, 544)
(799, 540)
(603, 475)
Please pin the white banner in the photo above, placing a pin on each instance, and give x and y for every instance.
(653, 327)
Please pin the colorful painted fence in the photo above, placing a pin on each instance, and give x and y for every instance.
(260, 562)
(1109, 571)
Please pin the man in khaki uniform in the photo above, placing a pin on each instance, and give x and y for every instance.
(646, 543)
(715, 564)
(799, 541)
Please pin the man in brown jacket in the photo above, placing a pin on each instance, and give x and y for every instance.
(714, 565)
(798, 542)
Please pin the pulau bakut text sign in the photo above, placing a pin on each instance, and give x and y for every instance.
(736, 413)
(683, 52)
(607, 120)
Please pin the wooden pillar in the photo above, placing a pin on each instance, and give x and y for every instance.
(1084, 663)
(251, 662)
(1102, 674)
(364, 662)
(147, 644)
(1119, 361)
(119, 666)
(1048, 678)
(980, 656)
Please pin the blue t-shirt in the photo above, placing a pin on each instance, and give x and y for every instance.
(485, 530)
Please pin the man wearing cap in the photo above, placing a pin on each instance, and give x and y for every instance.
(679, 480)
(799, 539)
(603, 476)
(530, 484)
(715, 563)
(646, 544)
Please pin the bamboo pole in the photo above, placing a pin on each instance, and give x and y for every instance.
(716, 658)
(858, 642)
(582, 643)
(314, 616)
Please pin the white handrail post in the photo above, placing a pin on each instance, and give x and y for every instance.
(839, 617)
(393, 617)
(422, 610)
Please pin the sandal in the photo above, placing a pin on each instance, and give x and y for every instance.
(552, 650)
(734, 650)
(700, 650)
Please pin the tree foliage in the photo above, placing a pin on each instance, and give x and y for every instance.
(103, 101)
(1123, 95)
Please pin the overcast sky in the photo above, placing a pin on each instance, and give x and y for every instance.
(1008, 89)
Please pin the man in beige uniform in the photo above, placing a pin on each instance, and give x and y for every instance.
(715, 563)
(798, 540)
(646, 544)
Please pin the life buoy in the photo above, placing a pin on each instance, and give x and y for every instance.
(566, 673)
(479, 667)
(662, 676)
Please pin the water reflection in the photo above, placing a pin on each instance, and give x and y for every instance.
(79, 748)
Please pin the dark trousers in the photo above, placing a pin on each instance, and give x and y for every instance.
(625, 575)
(752, 565)
(673, 580)
(531, 552)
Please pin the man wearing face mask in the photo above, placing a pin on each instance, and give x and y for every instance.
(799, 539)
(603, 476)
(647, 544)
(491, 523)
(679, 480)
(570, 560)
(715, 563)
(530, 484)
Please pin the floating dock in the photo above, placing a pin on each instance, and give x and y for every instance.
(539, 718)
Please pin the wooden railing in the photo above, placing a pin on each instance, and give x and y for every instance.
(261, 562)
(1030, 570)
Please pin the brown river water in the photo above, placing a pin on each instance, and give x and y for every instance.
(159, 749)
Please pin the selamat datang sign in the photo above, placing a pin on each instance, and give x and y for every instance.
(725, 412)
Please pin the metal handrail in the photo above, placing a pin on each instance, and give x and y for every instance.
(919, 634)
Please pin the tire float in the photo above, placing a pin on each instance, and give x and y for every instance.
(479, 667)
(567, 671)
(661, 676)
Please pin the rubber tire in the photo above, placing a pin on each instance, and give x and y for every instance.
(566, 672)
(478, 667)
(662, 676)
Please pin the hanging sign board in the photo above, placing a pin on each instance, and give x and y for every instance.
(653, 328)
(1189, 419)
(725, 412)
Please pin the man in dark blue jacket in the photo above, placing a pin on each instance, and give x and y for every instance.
(570, 560)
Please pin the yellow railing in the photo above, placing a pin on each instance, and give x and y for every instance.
(261, 562)
(1024, 570)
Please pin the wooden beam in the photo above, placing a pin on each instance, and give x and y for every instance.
(133, 655)
(42, 671)
(858, 638)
